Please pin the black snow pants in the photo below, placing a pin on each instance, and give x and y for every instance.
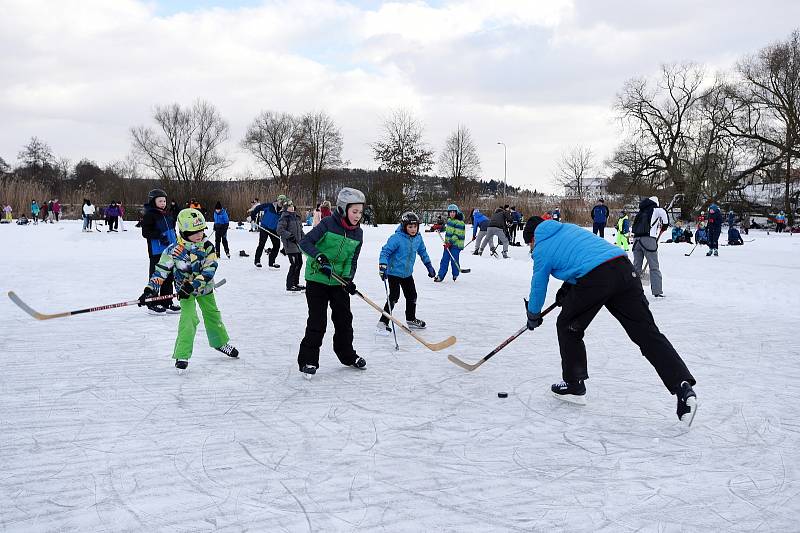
(318, 297)
(409, 291)
(295, 266)
(166, 287)
(262, 240)
(614, 284)
(221, 235)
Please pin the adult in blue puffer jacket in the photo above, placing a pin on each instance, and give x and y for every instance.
(221, 224)
(480, 223)
(396, 264)
(268, 229)
(596, 274)
(158, 227)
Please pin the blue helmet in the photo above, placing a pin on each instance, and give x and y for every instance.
(453, 207)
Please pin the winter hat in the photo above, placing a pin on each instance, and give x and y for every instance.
(218, 205)
(530, 228)
(655, 200)
(155, 193)
(453, 207)
(282, 198)
(346, 197)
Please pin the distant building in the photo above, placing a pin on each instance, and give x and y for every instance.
(589, 187)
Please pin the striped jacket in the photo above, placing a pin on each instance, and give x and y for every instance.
(454, 231)
(188, 261)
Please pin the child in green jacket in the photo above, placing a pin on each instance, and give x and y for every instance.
(453, 242)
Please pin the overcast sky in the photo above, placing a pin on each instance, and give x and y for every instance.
(538, 75)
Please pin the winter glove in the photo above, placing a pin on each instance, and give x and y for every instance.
(350, 287)
(431, 271)
(324, 265)
(562, 293)
(147, 293)
(283, 251)
(291, 238)
(186, 290)
(534, 319)
(448, 245)
(382, 271)
(163, 240)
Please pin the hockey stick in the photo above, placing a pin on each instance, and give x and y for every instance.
(470, 367)
(389, 302)
(461, 270)
(42, 316)
(692, 251)
(433, 346)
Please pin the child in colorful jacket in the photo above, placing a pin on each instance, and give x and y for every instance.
(334, 244)
(623, 227)
(192, 261)
(453, 242)
(396, 264)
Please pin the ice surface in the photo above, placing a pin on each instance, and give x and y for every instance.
(99, 433)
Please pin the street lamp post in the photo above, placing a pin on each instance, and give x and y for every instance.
(505, 167)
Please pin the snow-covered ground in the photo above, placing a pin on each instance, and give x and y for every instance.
(98, 432)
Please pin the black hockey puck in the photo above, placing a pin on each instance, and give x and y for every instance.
(502, 395)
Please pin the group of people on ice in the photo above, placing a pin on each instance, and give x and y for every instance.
(47, 211)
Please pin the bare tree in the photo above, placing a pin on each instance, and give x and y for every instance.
(321, 147)
(573, 169)
(656, 117)
(275, 139)
(36, 154)
(400, 148)
(186, 143)
(765, 103)
(459, 159)
(4, 168)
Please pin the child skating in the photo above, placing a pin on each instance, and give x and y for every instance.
(192, 261)
(334, 244)
(453, 243)
(396, 265)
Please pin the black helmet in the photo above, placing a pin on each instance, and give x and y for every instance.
(409, 217)
(155, 193)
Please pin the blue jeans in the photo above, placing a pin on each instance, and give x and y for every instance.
(447, 260)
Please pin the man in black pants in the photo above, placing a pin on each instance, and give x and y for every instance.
(268, 229)
(599, 218)
(597, 274)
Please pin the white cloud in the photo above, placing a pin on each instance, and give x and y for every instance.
(539, 75)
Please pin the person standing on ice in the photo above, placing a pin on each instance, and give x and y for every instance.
(158, 227)
(334, 244)
(648, 225)
(599, 218)
(498, 227)
(270, 213)
(221, 224)
(290, 229)
(7, 217)
(453, 243)
(714, 224)
(780, 222)
(597, 274)
(192, 261)
(35, 212)
(396, 265)
(56, 208)
(623, 227)
(480, 225)
(88, 212)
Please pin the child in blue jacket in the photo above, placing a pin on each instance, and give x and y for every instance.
(396, 264)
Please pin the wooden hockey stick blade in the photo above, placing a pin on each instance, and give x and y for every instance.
(28, 309)
(466, 366)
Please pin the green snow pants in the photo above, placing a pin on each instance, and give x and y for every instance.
(187, 327)
(622, 240)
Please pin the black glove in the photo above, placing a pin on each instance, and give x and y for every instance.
(562, 293)
(382, 271)
(283, 251)
(324, 265)
(186, 290)
(534, 320)
(431, 271)
(350, 287)
(163, 240)
(146, 293)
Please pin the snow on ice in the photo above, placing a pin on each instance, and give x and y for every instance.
(99, 433)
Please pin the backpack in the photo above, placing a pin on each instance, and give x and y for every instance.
(642, 221)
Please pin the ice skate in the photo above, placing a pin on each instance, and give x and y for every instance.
(570, 392)
(360, 363)
(687, 403)
(274, 266)
(228, 350)
(156, 310)
(172, 309)
(308, 371)
(384, 330)
(416, 323)
(181, 365)
(437, 279)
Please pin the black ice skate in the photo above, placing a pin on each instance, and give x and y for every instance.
(274, 266)
(573, 392)
(416, 323)
(181, 364)
(228, 350)
(359, 363)
(172, 309)
(258, 264)
(156, 310)
(295, 288)
(308, 371)
(687, 403)
(437, 279)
